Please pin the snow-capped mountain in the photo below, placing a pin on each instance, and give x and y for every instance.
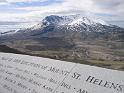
(73, 26)
(70, 36)
(74, 23)
(72, 20)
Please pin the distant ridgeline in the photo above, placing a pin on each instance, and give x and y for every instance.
(74, 27)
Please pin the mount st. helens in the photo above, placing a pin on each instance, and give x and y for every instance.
(74, 26)
(71, 38)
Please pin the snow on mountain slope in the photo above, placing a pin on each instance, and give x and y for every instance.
(79, 23)
(88, 21)
(57, 20)
(8, 32)
(72, 20)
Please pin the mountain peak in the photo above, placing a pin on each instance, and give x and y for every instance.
(72, 20)
(52, 19)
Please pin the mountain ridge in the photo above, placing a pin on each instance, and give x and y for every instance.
(71, 38)
(64, 26)
(70, 21)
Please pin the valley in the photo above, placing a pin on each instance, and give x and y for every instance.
(71, 38)
(97, 53)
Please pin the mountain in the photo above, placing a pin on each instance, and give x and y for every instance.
(4, 48)
(73, 26)
(72, 20)
(8, 32)
(71, 38)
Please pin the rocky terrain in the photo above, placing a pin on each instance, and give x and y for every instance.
(72, 38)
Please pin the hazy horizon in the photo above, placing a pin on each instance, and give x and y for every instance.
(6, 26)
(29, 11)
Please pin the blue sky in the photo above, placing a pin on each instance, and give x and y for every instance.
(35, 10)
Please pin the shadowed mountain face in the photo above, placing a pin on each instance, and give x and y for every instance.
(4, 48)
(71, 38)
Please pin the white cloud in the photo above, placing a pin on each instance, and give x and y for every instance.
(107, 9)
(24, 17)
(68, 7)
(2, 0)
(13, 1)
(3, 3)
(86, 5)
